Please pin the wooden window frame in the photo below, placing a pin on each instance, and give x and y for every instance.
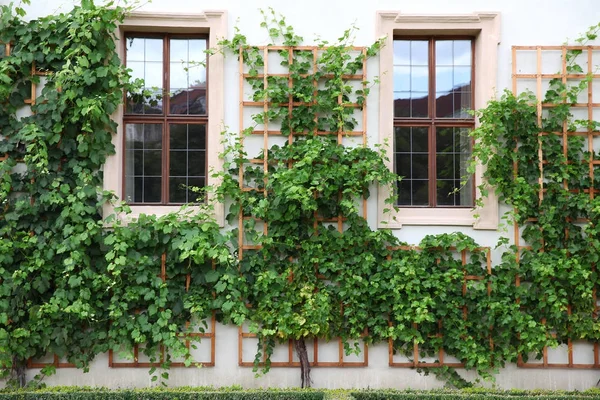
(432, 122)
(485, 28)
(166, 118)
(213, 24)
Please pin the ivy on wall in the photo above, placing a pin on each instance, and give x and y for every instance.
(73, 287)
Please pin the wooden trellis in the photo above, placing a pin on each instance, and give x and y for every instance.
(536, 82)
(441, 361)
(188, 338)
(6, 53)
(270, 130)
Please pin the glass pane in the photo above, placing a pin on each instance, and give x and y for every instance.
(144, 57)
(462, 52)
(404, 193)
(197, 137)
(179, 50)
(143, 162)
(443, 52)
(401, 52)
(453, 150)
(197, 100)
(177, 190)
(178, 136)
(420, 139)
(138, 160)
(179, 75)
(419, 79)
(196, 163)
(420, 193)
(151, 190)
(420, 166)
(154, 50)
(446, 195)
(419, 52)
(196, 50)
(401, 79)
(178, 163)
(444, 79)
(195, 182)
(134, 49)
(462, 104)
(153, 74)
(152, 136)
(188, 77)
(403, 165)
(402, 139)
(445, 166)
(444, 140)
(462, 79)
(401, 104)
(152, 162)
(419, 105)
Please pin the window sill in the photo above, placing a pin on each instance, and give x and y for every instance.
(485, 217)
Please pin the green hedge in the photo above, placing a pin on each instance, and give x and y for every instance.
(468, 394)
(166, 394)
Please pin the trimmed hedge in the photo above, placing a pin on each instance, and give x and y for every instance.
(165, 394)
(468, 394)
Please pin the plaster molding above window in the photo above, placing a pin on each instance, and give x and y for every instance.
(213, 23)
(484, 27)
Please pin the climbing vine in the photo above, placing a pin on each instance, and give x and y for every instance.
(77, 283)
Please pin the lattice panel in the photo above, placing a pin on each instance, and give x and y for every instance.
(320, 353)
(533, 67)
(272, 133)
(416, 360)
(203, 353)
(53, 360)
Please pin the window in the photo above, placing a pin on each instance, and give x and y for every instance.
(165, 130)
(427, 81)
(433, 91)
(160, 140)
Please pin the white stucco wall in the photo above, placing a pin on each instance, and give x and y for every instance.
(523, 22)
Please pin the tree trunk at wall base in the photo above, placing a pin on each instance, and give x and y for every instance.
(18, 371)
(304, 363)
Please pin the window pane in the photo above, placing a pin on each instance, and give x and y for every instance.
(419, 52)
(197, 137)
(411, 146)
(419, 105)
(453, 75)
(143, 162)
(401, 52)
(401, 104)
(187, 160)
(151, 190)
(197, 163)
(419, 79)
(188, 77)
(177, 190)
(453, 150)
(144, 57)
(420, 192)
(462, 52)
(401, 79)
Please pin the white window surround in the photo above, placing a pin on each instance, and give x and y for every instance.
(485, 28)
(215, 24)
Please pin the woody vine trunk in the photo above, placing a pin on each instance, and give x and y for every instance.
(300, 345)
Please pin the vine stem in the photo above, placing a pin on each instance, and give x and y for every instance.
(300, 345)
